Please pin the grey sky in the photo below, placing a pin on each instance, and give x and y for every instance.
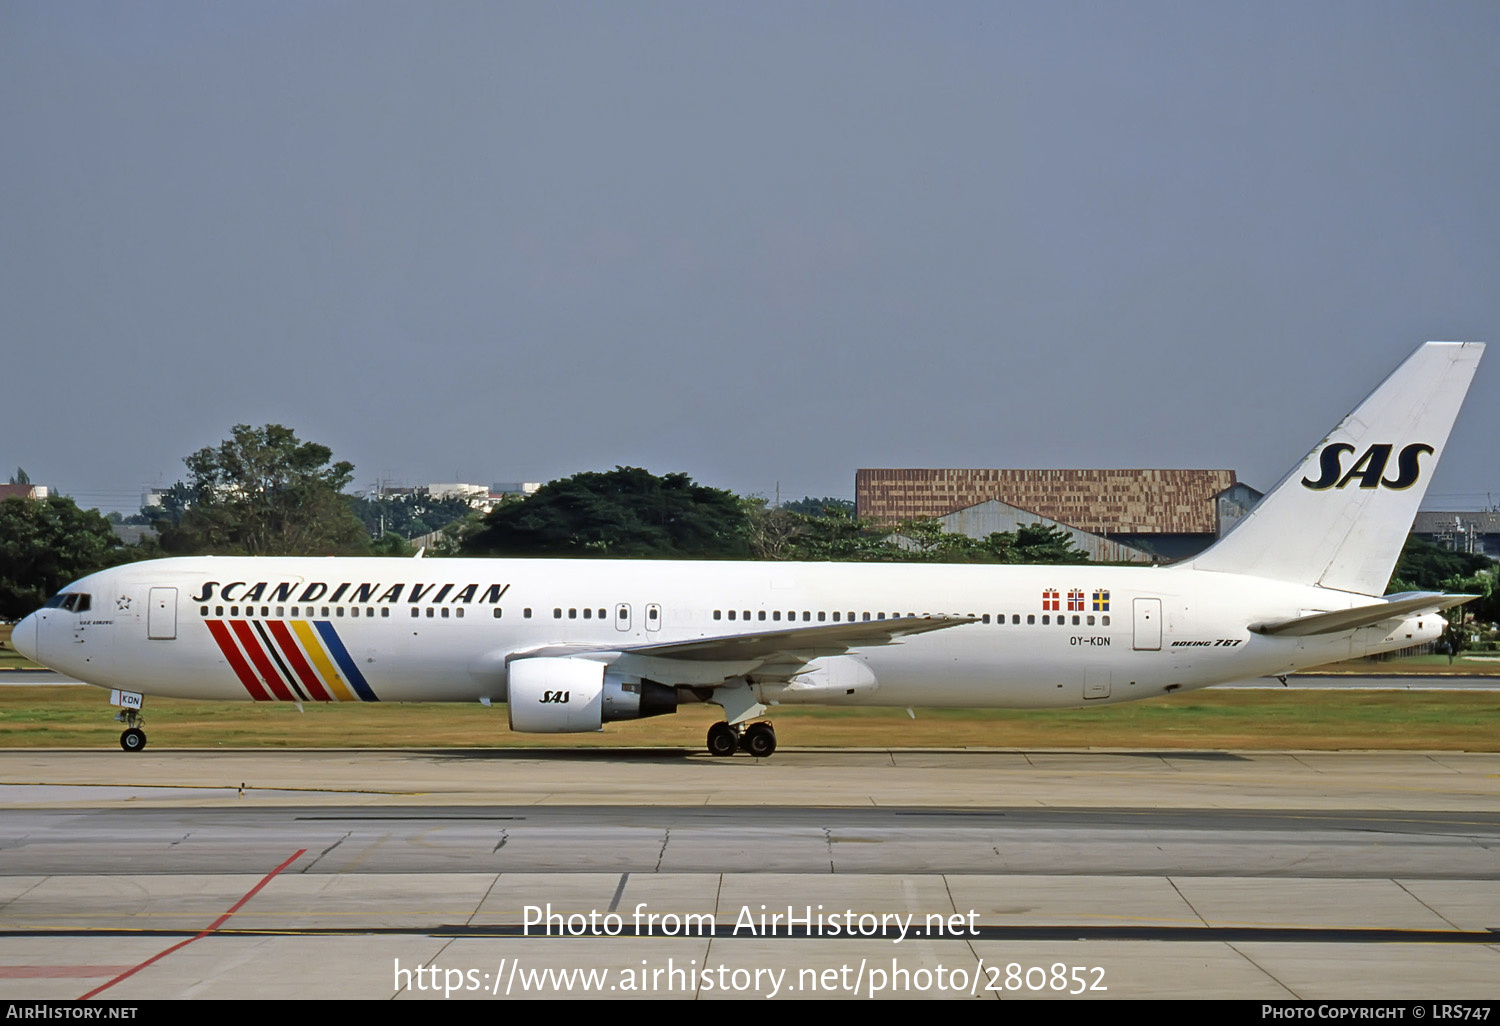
(756, 242)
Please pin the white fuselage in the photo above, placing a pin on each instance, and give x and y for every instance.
(339, 629)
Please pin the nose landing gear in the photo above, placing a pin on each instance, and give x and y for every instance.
(132, 738)
(759, 739)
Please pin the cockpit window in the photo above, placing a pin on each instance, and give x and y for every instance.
(73, 601)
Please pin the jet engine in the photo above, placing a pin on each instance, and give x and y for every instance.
(567, 694)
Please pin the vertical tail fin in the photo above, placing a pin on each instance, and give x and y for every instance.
(1340, 518)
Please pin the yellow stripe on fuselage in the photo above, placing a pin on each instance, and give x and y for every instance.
(314, 649)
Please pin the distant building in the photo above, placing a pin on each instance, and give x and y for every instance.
(23, 491)
(1474, 533)
(1170, 514)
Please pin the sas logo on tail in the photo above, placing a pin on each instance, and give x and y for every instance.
(1369, 469)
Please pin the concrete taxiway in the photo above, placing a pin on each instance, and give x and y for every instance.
(983, 874)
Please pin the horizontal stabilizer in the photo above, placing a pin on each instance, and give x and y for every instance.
(1403, 605)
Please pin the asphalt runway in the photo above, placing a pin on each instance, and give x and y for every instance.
(870, 873)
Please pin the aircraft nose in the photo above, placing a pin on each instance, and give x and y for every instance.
(23, 637)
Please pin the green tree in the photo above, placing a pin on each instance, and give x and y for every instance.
(808, 506)
(1424, 566)
(44, 544)
(411, 515)
(623, 512)
(265, 492)
(1036, 543)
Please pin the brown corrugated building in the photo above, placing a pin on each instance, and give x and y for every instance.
(1173, 511)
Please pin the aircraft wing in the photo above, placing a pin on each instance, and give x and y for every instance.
(1392, 607)
(804, 642)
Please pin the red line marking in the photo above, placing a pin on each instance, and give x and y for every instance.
(252, 892)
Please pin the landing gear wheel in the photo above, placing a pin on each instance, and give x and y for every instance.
(722, 739)
(760, 740)
(133, 740)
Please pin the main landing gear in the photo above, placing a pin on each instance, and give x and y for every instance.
(133, 738)
(759, 739)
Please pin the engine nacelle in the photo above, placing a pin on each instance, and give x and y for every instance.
(565, 695)
(555, 695)
(632, 698)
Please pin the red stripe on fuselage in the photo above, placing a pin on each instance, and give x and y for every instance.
(293, 655)
(236, 661)
(262, 663)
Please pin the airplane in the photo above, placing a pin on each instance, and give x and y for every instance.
(572, 644)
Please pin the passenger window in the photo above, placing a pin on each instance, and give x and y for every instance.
(776, 614)
(385, 611)
(807, 615)
(1046, 619)
(601, 614)
(445, 612)
(761, 615)
(880, 616)
(718, 614)
(588, 614)
(1091, 621)
(429, 613)
(731, 614)
(340, 611)
(747, 614)
(986, 618)
(557, 613)
(835, 616)
(234, 610)
(354, 611)
(415, 612)
(1105, 620)
(325, 610)
(497, 612)
(280, 612)
(459, 612)
(265, 610)
(1031, 618)
(526, 613)
(822, 616)
(572, 613)
(651, 613)
(1075, 619)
